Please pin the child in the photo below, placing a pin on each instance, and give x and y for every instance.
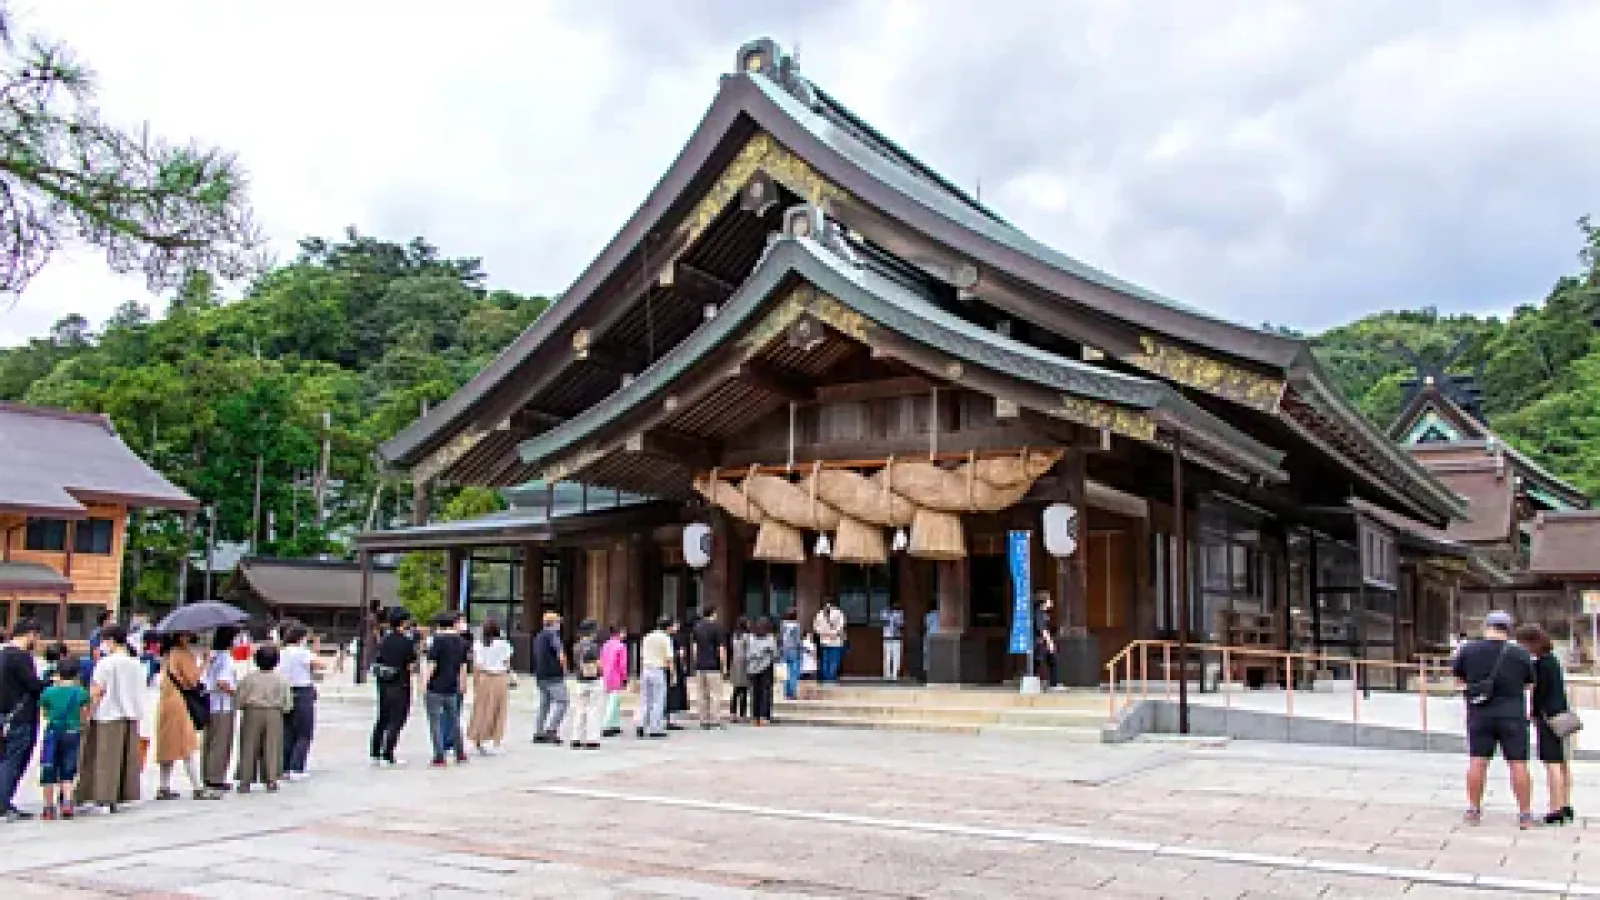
(63, 705)
(263, 699)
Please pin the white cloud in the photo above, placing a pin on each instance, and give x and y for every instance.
(1298, 161)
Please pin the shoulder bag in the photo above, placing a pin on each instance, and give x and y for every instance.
(194, 699)
(1564, 724)
(1482, 691)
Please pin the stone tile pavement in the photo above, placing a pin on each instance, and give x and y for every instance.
(823, 813)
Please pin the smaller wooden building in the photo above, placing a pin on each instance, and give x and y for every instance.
(324, 595)
(67, 483)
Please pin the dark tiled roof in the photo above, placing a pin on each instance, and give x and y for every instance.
(1566, 543)
(314, 583)
(53, 462)
(32, 578)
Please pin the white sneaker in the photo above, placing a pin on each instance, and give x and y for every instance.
(397, 764)
(297, 776)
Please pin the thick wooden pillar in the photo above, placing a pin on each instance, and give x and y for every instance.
(721, 580)
(452, 578)
(949, 663)
(1072, 578)
(420, 502)
(913, 590)
(636, 617)
(811, 586)
(532, 587)
(364, 647)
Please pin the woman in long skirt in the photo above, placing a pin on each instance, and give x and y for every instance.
(177, 741)
(217, 746)
(110, 759)
(678, 690)
(491, 689)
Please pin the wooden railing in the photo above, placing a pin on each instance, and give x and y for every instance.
(1123, 688)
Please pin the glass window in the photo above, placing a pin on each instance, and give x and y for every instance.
(864, 591)
(769, 589)
(46, 535)
(93, 536)
(43, 613)
(81, 619)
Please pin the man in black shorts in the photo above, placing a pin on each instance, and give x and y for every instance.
(1495, 675)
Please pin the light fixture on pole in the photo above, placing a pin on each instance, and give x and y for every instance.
(1060, 529)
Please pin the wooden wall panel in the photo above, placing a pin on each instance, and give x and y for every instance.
(96, 578)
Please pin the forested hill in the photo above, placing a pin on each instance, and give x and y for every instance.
(361, 329)
(1539, 369)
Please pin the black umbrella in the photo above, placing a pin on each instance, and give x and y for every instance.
(201, 617)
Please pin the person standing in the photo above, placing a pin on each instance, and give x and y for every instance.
(1045, 648)
(550, 677)
(447, 672)
(761, 654)
(930, 627)
(110, 758)
(299, 666)
(216, 745)
(893, 620)
(1495, 675)
(62, 704)
(614, 667)
(829, 626)
(791, 643)
(177, 737)
(393, 666)
(682, 673)
(20, 687)
(491, 689)
(656, 670)
(1549, 700)
(738, 674)
(264, 699)
(710, 666)
(588, 705)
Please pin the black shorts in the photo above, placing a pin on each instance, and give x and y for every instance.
(1551, 748)
(1507, 735)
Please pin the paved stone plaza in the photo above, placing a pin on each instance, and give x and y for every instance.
(821, 813)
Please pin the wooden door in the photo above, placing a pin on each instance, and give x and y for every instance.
(1111, 589)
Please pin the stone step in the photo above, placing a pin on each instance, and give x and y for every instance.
(1072, 734)
(964, 698)
(969, 715)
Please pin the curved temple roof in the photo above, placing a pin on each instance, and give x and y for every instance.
(887, 303)
(850, 157)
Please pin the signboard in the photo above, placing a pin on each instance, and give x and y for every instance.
(1018, 544)
(1591, 603)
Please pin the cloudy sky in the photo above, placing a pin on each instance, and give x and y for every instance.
(1294, 161)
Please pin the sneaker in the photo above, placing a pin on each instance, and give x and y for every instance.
(377, 761)
(396, 763)
(1473, 817)
(242, 789)
(272, 787)
(17, 815)
(66, 811)
(297, 776)
(49, 814)
(438, 763)
(611, 732)
(461, 759)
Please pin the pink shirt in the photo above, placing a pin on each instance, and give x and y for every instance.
(614, 664)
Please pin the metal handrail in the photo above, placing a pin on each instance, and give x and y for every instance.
(1284, 660)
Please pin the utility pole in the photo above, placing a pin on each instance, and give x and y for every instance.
(322, 467)
(255, 514)
(211, 547)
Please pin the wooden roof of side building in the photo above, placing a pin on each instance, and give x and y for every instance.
(1565, 545)
(54, 463)
(859, 175)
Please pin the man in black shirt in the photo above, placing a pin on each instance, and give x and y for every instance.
(447, 658)
(393, 665)
(710, 664)
(550, 678)
(1495, 675)
(20, 687)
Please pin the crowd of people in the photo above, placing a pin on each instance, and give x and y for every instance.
(228, 726)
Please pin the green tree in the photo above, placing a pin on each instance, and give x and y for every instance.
(421, 577)
(68, 175)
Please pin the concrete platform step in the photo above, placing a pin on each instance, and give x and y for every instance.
(1071, 734)
(970, 715)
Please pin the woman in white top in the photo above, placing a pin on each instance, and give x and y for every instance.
(109, 773)
(491, 683)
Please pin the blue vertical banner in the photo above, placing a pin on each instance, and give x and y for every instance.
(1018, 546)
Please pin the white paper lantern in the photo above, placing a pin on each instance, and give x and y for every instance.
(1060, 529)
(824, 546)
(900, 540)
(697, 544)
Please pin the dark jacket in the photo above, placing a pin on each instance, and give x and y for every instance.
(547, 654)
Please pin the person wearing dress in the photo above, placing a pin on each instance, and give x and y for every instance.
(108, 771)
(1548, 700)
(177, 740)
(678, 689)
(216, 751)
(491, 689)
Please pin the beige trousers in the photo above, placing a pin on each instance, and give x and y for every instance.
(709, 686)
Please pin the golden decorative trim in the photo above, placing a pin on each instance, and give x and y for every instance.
(840, 317)
(1097, 414)
(1204, 373)
(777, 321)
(572, 465)
(448, 454)
(760, 154)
